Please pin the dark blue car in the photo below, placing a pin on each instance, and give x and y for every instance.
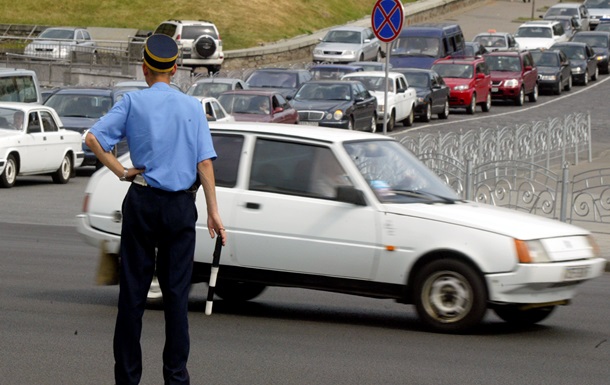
(600, 42)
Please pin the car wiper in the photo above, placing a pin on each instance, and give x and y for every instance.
(423, 194)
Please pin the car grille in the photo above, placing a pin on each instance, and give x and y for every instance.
(311, 115)
(333, 52)
(496, 83)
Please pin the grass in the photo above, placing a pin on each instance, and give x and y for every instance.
(242, 24)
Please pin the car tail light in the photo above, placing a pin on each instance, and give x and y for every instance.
(178, 37)
(86, 203)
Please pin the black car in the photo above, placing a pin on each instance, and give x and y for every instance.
(474, 48)
(284, 80)
(432, 92)
(554, 71)
(582, 60)
(600, 42)
(340, 104)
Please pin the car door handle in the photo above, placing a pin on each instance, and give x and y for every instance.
(253, 206)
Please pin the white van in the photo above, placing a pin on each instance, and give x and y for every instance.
(19, 85)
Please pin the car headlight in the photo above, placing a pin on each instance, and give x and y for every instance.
(348, 53)
(420, 99)
(548, 77)
(602, 57)
(531, 251)
(461, 87)
(577, 70)
(337, 115)
(317, 52)
(511, 83)
(380, 108)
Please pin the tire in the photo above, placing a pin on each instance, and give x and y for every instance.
(585, 80)
(373, 125)
(391, 122)
(607, 68)
(378, 56)
(533, 96)
(595, 76)
(568, 86)
(521, 98)
(557, 88)
(427, 114)
(235, 291)
(63, 173)
(471, 109)
(516, 316)
(487, 105)
(361, 58)
(445, 113)
(450, 296)
(408, 122)
(205, 46)
(9, 175)
(350, 123)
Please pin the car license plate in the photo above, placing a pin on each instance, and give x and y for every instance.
(494, 89)
(576, 272)
(309, 123)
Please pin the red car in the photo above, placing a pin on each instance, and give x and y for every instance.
(514, 75)
(469, 82)
(258, 106)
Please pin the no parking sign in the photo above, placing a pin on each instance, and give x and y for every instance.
(387, 19)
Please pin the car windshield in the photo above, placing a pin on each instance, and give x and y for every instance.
(374, 83)
(593, 41)
(208, 89)
(503, 63)
(328, 73)
(452, 70)
(545, 59)
(603, 27)
(80, 106)
(535, 32)
(396, 175)
(57, 34)
(597, 4)
(417, 80)
(11, 119)
(350, 37)
(272, 79)
(416, 46)
(490, 41)
(316, 91)
(559, 11)
(574, 52)
(245, 104)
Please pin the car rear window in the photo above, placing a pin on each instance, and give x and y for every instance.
(194, 31)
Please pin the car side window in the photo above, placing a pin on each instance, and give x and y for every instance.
(228, 148)
(217, 110)
(279, 101)
(48, 123)
(33, 123)
(296, 169)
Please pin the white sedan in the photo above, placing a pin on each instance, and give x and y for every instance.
(214, 111)
(33, 141)
(356, 213)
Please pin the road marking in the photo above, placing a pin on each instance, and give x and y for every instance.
(537, 105)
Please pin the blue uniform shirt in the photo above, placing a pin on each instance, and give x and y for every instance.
(167, 134)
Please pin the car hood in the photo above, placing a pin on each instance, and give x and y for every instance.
(600, 50)
(489, 218)
(77, 124)
(53, 42)
(8, 134)
(534, 42)
(422, 92)
(577, 63)
(547, 70)
(320, 105)
(500, 75)
(337, 46)
(456, 81)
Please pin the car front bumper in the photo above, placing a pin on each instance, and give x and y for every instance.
(106, 242)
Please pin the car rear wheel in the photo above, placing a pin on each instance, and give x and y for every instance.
(520, 98)
(445, 113)
(63, 173)
(408, 122)
(9, 175)
(487, 105)
(514, 314)
(533, 96)
(557, 87)
(473, 105)
(427, 113)
(373, 125)
(585, 80)
(569, 85)
(238, 291)
(450, 296)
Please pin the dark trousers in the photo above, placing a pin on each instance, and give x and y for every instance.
(156, 225)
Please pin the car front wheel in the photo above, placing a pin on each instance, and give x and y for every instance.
(445, 113)
(520, 98)
(427, 113)
(487, 105)
(9, 175)
(514, 314)
(450, 296)
(473, 105)
(62, 175)
(595, 75)
(533, 97)
(568, 86)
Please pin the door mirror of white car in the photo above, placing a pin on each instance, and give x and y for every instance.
(349, 194)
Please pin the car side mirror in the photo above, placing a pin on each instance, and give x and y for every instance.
(350, 194)
(480, 75)
(277, 109)
(211, 118)
(528, 68)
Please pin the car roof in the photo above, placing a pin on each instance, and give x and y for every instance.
(252, 91)
(459, 60)
(351, 82)
(325, 134)
(408, 69)
(541, 23)
(24, 106)
(84, 91)
(391, 73)
(505, 53)
(279, 69)
(566, 5)
(349, 28)
(336, 66)
(218, 80)
(569, 43)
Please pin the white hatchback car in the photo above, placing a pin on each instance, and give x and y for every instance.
(540, 34)
(356, 213)
(33, 142)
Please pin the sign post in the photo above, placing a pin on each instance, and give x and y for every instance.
(386, 20)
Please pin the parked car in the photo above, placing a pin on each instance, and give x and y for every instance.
(432, 92)
(576, 10)
(496, 41)
(79, 109)
(199, 42)
(554, 71)
(356, 213)
(472, 48)
(214, 111)
(600, 42)
(34, 142)
(258, 106)
(347, 44)
(332, 71)
(582, 60)
(62, 43)
(598, 10)
(214, 86)
(370, 65)
(401, 98)
(284, 80)
(540, 34)
(336, 103)
(513, 75)
(469, 81)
